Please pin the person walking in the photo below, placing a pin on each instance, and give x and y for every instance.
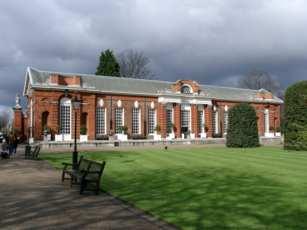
(10, 143)
(15, 144)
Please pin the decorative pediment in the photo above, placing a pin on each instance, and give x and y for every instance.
(186, 87)
(264, 94)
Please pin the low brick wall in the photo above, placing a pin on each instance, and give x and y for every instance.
(144, 143)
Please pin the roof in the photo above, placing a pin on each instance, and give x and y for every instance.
(40, 80)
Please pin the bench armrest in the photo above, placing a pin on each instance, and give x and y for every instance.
(66, 165)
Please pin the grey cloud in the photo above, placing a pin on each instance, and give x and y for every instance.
(211, 41)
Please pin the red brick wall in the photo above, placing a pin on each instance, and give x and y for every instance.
(161, 119)
(177, 120)
(49, 101)
(194, 122)
(208, 120)
(18, 122)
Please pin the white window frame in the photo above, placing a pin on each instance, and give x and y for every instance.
(105, 121)
(66, 102)
(216, 120)
(154, 120)
(226, 121)
(138, 122)
(267, 121)
(122, 119)
(169, 107)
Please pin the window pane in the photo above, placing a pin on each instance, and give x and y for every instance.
(185, 118)
(225, 121)
(201, 122)
(65, 119)
(118, 120)
(135, 121)
(151, 121)
(100, 121)
(169, 120)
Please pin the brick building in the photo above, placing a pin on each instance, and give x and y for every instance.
(142, 108)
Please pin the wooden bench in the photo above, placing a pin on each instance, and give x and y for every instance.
(32, 152)
(67, 169)
(88, 174)
(90, 179)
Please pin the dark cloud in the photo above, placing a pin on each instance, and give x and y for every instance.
(211, 41)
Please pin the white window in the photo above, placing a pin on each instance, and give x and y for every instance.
(136, 121)
(151, 121)
(169, 120)
(225, 121)
(185, 89)
(100, 121)
(215, 120)
(119, 120)
(185, 118)
(65, 116)
(201, 121)
(266, 121)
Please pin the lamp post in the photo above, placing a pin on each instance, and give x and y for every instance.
(76, 105)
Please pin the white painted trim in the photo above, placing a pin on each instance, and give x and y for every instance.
(140, 123)
(266, 121)
(31, 118)
(216, 128)
(105, 121)
(194, 101)
(123, 117)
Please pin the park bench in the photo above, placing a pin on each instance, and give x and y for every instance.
(88, 174)
(32, 152)
(67, 169)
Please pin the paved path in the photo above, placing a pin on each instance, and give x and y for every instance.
(32, 197)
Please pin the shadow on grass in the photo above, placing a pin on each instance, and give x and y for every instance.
(212, 198)
(56, 159)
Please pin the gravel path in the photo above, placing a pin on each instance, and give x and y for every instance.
(33, 197)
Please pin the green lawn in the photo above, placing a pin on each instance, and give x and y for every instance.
(201, 188)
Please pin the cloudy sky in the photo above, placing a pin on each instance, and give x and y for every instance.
(212, 41)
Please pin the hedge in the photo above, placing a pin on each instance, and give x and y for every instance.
(242, 130)
(295, 119)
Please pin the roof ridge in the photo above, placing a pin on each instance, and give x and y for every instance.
(138, 79)
(94, 75)
(229, 87)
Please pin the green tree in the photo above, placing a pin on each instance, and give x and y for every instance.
(242, 130)
(108, 65)
(295, 118)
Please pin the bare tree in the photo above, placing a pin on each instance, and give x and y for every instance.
(134, 64)
(4, 120)
(259, 79)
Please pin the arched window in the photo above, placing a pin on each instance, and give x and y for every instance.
(65, 116)
(186, 89)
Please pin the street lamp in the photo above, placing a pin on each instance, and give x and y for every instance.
(76, 105)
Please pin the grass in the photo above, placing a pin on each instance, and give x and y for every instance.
(210, 188)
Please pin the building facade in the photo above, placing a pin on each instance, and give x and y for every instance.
(120, 108)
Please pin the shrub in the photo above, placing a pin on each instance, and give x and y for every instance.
(137, 137)
(242, 130)
(295, 120)
(83, 130)
(102, 137)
